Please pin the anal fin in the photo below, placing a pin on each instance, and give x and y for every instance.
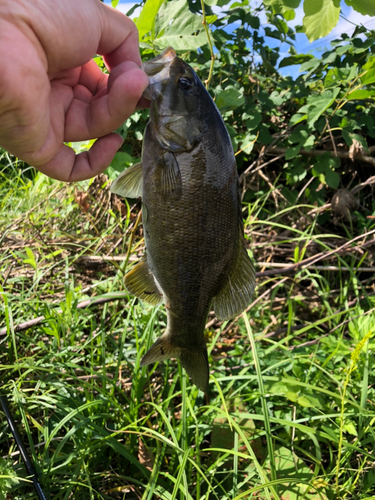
(236, 294)
(141, 283)
(129, 183)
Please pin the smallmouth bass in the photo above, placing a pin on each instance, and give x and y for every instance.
(191, 208)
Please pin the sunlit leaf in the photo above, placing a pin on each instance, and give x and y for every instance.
(320, 17)
(179, 28)
(146, 19)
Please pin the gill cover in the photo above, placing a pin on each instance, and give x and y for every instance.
(175, 113)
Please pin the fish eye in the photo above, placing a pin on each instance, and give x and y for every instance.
(185, 83)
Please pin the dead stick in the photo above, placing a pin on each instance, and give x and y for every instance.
(319, 152)
(323, 255)
(80, 305)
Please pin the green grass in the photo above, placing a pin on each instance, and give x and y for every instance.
(290, 410)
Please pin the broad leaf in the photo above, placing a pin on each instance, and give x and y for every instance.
(321, 16)
(349, 137)
(281, 6)
(317, 104)
(229, 99)
(254, 120)
(365, 7)
(361, 94)
(297, 59)
(179, 28)
(369, 67)
(324, 170)
(146, 19)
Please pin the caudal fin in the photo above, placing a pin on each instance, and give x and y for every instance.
(195, 361)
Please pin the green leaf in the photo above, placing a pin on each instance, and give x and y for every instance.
(350, 428)
(210, 2)
(253, 120)
(31, 260)
(229, 99)
(349, 137)
(114, 3)
(253, 21)
(120, 162)
(365, 7)
(292, 152)
(297, 118)
(317, 104)
(297, 59)
(146, 19)
(369, 67)
(335, 76)
(361, 94)
(304, 401)
(281, 6)
(179, 28)
(211, 19)
(324, 170)
(247, 143)
(321, 16)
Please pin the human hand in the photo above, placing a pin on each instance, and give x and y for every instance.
(51, 91)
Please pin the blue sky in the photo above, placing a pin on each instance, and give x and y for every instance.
(346, 24)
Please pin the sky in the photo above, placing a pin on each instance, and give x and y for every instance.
(347, 23)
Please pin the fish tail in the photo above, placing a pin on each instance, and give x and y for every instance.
(195, 361)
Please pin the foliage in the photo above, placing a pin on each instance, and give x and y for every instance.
(99, 426)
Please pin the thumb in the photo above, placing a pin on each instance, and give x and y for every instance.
(119, 40)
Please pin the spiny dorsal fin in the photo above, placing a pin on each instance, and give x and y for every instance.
(141, 283)
(236, 294)
(129, 183)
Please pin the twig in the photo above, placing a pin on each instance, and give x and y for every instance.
(81, 305)
(323, 255)
(204, 22)
(319, 152)
(332, 139)
(97, 259)
(316, 341)
(358, 187)
(319, 268)
(304, 264)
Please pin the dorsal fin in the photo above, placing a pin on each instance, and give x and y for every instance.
(236, 293)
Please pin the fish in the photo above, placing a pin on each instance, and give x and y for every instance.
(195, 255)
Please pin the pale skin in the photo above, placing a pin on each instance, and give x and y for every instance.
(51, 91)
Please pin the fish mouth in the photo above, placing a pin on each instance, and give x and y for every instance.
(158, 69)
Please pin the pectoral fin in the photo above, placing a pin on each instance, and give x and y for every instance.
(236, 294)
(170, 175)
(195, 361)
(141, 283)
(129, 183)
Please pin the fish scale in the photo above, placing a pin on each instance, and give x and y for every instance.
(195, 250)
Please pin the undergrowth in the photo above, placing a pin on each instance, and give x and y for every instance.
(290, 409)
